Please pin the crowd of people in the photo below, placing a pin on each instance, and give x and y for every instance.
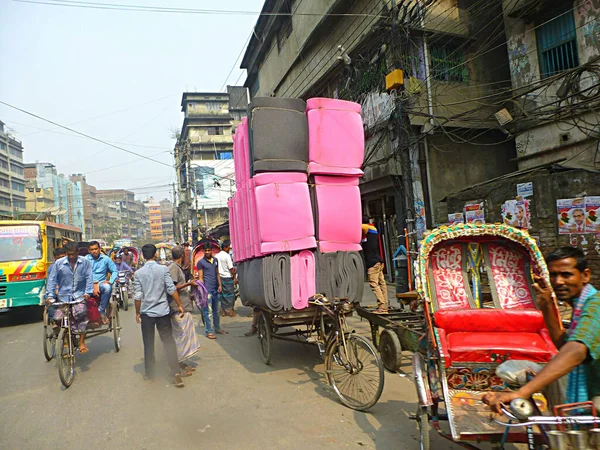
(161, 295)
(163, 302)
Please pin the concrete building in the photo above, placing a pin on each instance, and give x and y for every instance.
(434, 130)
(67, 194)
(204, 153)
(38, 200)
(553, 50)
(90, 206)
(155, 219)
(166, 216)
(12, 181)
(130, 212)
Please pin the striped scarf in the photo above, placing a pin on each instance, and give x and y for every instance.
(577, 390)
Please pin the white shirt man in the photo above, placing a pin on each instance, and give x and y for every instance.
(227, 274)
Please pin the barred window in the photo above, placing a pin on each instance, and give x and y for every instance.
(557, 45)
(448, 63)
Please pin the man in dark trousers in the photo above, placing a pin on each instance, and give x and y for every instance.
(374, 263)
(208, 273)
(151, 285)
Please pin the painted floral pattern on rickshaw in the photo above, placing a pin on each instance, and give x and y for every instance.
(510, 277)
(477, 379)
(448, 277)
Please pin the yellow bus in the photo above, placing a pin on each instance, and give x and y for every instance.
(26, 252)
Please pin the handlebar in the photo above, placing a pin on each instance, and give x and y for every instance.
(521, 411)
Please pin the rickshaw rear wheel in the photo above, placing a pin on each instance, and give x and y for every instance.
(390, 350)
(423, 421)
(65, 355)
(265, 336)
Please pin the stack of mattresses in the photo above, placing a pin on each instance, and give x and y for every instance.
(294, 236)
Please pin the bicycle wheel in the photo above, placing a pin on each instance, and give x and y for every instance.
(65, 355)
(423, 422)
(125, 299)
(354, 371)
(49, 341)
(116, 327)
(264, 336)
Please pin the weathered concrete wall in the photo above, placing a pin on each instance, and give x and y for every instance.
(525, 71)
(547, 188)
(454, 166)
(279, 75)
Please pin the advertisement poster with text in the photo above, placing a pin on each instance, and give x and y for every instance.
(456, 218)
(592, 210)
(571, 215)
(516, 214)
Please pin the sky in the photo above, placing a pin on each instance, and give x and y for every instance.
(117, 76)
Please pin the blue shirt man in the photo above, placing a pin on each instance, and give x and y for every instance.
(72, 276)
(102, 266)
(151, 285)
(208, 273)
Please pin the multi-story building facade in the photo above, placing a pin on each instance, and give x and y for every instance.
(39, 200)
(430, 132)
(555, 72)
(130, 211)
(12, 180)
(204, 153)
(90, 206)
(67, 194)
(166, 214)
(155, 219)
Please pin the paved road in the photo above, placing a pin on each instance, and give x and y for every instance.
(232, 401)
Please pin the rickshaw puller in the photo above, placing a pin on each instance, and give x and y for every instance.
(579, 347)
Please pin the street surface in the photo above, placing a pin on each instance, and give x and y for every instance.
(232, 401)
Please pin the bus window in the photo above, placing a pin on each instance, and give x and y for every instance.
(19, 243)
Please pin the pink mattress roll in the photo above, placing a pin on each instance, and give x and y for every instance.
(268, 248)
(332, 247)
(244, 152)
(237, 157)
(302, 278)
(283, 209)
(232, 230)
(336, 139)
(253, 235)
(261, 179)
(242, 220)
(338, 211)
(332, 103)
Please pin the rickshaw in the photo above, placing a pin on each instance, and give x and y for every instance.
(60, 341)
(475, 283)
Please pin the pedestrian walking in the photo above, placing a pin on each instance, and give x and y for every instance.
(152, 284)
(374, 263)
(208, 273)
(228, 279)
(184, 334)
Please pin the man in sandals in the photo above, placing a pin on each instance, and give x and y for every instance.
(184, 331)
(152, 284)
(374, 263)
(208, 273)
(71, 281)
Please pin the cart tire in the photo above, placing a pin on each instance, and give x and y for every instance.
(365, 361)
(49, 338)
(116, 326)
(125, 299)
(265, 337)
(65, 360)
(423, 423)
(390, 350)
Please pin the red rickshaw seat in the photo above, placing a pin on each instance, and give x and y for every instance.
(493, 335)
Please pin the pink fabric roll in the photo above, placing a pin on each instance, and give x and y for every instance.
(332, 247)
(336, 139)
(283, 212)
(338, 209)
(232, 228)
(253, 235)
(261, 179)
(302, 278)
